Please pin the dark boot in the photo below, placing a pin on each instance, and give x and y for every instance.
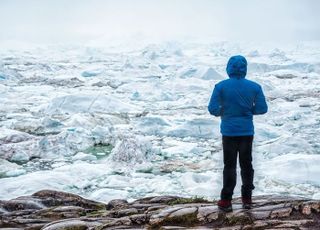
(246, 202)
(225, 205)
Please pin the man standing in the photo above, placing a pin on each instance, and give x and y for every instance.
(236, 100)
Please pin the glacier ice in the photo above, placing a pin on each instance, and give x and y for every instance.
(132, 122)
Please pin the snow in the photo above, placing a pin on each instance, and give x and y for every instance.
(130, 123)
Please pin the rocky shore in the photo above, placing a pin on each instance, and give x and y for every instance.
(53, 210)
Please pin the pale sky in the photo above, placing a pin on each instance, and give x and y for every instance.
(86, 20)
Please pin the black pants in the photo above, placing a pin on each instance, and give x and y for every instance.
(231, 147)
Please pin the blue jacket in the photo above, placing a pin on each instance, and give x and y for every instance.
(236, 100)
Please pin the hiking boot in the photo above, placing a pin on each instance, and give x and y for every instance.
(225, 205)
(246, 202)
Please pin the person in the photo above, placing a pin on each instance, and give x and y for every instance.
(236, 100)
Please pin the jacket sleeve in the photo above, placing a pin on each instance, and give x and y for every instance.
(260, 105)
(215, 106)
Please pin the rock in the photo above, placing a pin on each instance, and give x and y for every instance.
(157, 199)
(156, 207)
(279, 213)
(139, 219)
(184, 216)
(67, 225)
(208, 214)
(269, 207)
(238, 217)
(12, 228)
(117, 203)
(55, 198)
(260, 215)
(64, 211)
(51, 210)
(258, 225)
(171, 227)
(308, 207)
(22, 203)
(163, 199)
(183, 212)
(116, 222)
(125, 212)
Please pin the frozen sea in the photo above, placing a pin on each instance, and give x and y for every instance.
(127, 122)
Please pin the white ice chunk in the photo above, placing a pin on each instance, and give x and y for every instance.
(86, 103)
(296, 168)
(84, 157)
(131, 150)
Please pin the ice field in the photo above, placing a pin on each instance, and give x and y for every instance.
(127, 122)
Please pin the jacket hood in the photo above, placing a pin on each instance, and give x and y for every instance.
(237, 67)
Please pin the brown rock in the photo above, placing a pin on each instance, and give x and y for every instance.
(22, 203)
(238, 217)
(259, 225)
(165, 212)
(171, 227)
(139, 219)
(279, 213)
(55, 198)
(268, 207)
(208, 214)
(69, 225)
(260, 215)
(182, 212)
(125, 212)
(308, 207)
(115, 222)
(117, 203)
(153, 208)
(68, 209)
(163, 199)
(231, 228)
(58, 210)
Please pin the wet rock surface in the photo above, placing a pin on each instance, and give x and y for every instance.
(53, 210)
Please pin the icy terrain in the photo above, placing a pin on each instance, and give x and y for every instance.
(112, 123)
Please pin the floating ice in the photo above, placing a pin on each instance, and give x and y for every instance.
(112, 123)
(9, 169)
(212, 74)
(131, 150)
(84, 157)
(12, 136)
(199, 128)
(293, 168)
(85, 103)
(20, 157)
(91, 73)
(107, 194)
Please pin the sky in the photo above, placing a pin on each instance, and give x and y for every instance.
(50, 21)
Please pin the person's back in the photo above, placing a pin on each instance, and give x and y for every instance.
(236, 100)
